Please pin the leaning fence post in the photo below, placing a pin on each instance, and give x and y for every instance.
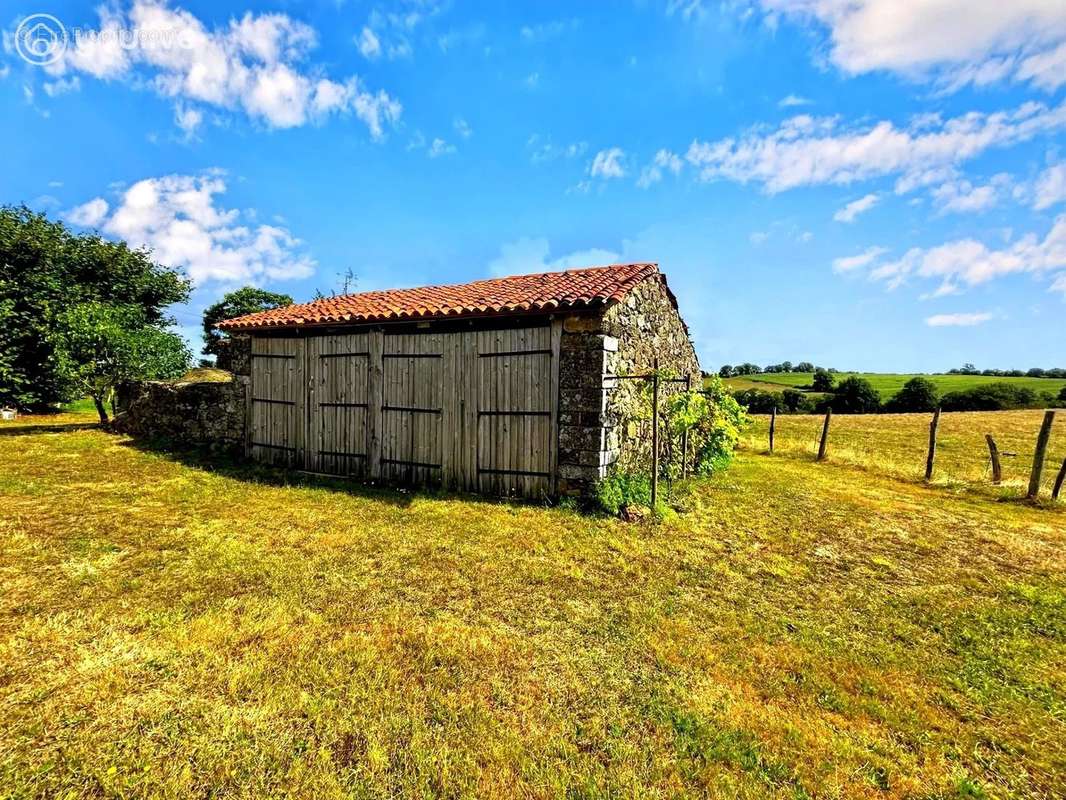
(655, 435)
(773, 424)
(825, 435)
(931, 458)
(684, 434)
(1059, 480)
(993, 452)
(1040, 455)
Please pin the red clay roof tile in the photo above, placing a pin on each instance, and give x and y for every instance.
(575, 289)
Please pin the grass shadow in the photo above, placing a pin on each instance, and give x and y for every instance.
(54, 427)
(235, 466)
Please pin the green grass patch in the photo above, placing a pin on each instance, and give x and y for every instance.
(890, 383)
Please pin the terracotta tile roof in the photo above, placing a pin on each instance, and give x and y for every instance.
(518, 294)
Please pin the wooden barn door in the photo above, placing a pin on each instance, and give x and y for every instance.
(277, 417)
(516, 399)
(338, 395)
(412, 389)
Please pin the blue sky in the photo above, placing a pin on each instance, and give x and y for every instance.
(865, 184)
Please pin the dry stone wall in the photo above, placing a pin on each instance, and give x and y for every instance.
(207, 414)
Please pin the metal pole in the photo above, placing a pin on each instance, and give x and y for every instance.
(655, 436)
(684, 435)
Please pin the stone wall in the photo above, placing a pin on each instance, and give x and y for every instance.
(235, 355)
(203, 414)
(647, 326)
(602, 421)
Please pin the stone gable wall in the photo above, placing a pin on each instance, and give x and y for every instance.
(602, 421)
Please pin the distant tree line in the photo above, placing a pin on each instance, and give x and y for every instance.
(1034, 372)
(857, 396)
(747, 368)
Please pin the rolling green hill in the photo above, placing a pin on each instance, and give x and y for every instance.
(888, 383)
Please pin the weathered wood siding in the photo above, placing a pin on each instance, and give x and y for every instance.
(472, 410)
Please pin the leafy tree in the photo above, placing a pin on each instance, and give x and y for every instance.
(918, 394)
(1062, 395)
(823, 381)
(726, 371)
(45, 270)
(805, 366)
(991, 397)
(855, 396)
(795, 401)
(247, 300)
(102, 345)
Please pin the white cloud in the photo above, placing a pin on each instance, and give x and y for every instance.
(462, 127)
(532, 80)
(1050, 187)
(958, 320)
(653, 173)
(863, 259)
(531, 255)
(806, 151)
(548, 30)
(793, 100)
(852, 210)
(962, 196)
(88, 215)
(543, 150)
(254, 65)
(178, 218)
(438, 147)
(368, 43)
(188, 119)
(954, 42)
(608, 164)
(758, 238)
(969, 262)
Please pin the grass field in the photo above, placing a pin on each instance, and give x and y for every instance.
(889, 384)
(173, 628)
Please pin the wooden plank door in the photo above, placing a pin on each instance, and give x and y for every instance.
(277, 418)
(338, 395)
(412, 390)
(515, 451)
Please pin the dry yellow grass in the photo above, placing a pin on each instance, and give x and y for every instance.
(175, 628)
(896, 444)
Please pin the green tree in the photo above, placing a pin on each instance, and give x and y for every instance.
(247, 300)
(855, 396)
(1062, 395)
(102, 345)
(918, 394)
(45, 270)
(823, 381)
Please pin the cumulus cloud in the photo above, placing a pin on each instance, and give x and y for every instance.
(88, 215)
(368, 43)
(958, 320)
(530, 255)
(542, 149)
(962, 196)
(1050, 187)
(863, 259)
(969, 262)
(989, 41)
(179, 219)
(653, 173)
(438, 147)
(255, 65)
(608, 164)
(852, 210)
(793, 100)
(805, 151)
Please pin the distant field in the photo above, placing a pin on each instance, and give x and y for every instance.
(888, 383)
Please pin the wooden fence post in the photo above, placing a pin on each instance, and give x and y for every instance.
(825, 435)
(1040, 455)
(773, 424)
(684, 435)
(931, 458)
(655, 435)
(1059, 481)
(993, 452)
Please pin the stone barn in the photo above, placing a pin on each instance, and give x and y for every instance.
(502, 386)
